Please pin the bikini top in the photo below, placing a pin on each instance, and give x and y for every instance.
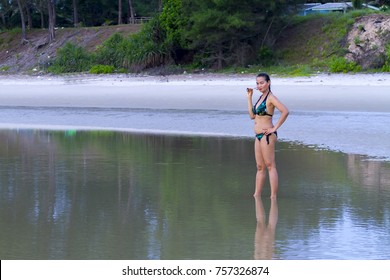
(261, 110)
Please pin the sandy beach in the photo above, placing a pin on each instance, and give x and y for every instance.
(72, 188)
(341, 112)
(201, 91)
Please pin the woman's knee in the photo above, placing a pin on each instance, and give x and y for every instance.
(270, 165)
(261, 167)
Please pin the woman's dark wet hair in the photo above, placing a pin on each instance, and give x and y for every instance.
(266, 77)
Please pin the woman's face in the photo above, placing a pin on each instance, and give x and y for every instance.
(262, 84)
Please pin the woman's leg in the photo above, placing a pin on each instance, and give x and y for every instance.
(261, 168)
(268, 155)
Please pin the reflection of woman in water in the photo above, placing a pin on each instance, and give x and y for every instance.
(265, 131)
(265, 234)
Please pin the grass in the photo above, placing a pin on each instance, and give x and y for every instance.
(319, 43)
(4, 68)
(316, 37)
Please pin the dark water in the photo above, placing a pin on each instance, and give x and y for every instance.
(112, 195)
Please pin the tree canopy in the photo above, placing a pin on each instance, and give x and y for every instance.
(89, 12)
(229, 31)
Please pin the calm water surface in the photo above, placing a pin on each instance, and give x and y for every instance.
(112, 195)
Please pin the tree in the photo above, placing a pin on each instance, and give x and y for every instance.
(172, 21)
(4, 9)
(52, 19)
(72, 12)
(40, 7)
(75, 13)
(228, 32)
(220, 30)
(22, 19)
(357, 4)
(131, 12)
(28, 8)
(160, 5)
(119, 11)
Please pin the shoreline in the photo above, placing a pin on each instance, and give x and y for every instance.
(374, 79)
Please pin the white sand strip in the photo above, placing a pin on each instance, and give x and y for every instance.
(335, 92)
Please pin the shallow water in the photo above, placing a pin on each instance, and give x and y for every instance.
(119, 195)
(364, 133)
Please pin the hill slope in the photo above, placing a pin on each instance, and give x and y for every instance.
(16, 57)
(363, 40)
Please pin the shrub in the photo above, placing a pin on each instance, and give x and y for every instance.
(384, 8)
(4, 68)
(145, 49)
(265, 56)
(148, 48)
(70, 59)
(341, 65)
(357, 4)
(102, 69)
(113, 51)
(386, 66)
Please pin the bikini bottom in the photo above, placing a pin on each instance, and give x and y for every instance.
(260, 135)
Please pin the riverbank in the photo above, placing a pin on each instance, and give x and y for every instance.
(347, 113)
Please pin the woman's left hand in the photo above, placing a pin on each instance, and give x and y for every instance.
(268, 131)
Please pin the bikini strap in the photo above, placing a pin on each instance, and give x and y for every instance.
(258, 100)
(265, 99)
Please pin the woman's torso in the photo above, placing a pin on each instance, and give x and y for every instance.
(264, 120)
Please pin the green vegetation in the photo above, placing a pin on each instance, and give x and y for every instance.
(89, 12)
(318, 38)
(224, 36)
(112, 51)
(147, 48)
(102, 69)
(357, 4)
(71, 58)
(386, 66)
(4, 68)
(341, 65)
(320, 43)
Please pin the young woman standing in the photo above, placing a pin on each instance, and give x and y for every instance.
(265, 131)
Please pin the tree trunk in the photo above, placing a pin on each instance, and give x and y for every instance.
(159, 5)
(75, 14)
(21, 11)
(5, 7)
(220, 59)
(52, 19)
(3, 20)
(119, 12)
(42, 20)
(266, 33)
(131, 12)
(29, 16)
(40, 8)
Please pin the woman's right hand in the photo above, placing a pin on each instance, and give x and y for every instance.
(249, 92)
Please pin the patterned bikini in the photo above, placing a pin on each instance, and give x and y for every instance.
(261, 110)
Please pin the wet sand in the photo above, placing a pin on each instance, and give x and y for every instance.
(347, 113)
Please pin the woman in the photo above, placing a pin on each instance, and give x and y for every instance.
(265, 233)
(265, 131)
